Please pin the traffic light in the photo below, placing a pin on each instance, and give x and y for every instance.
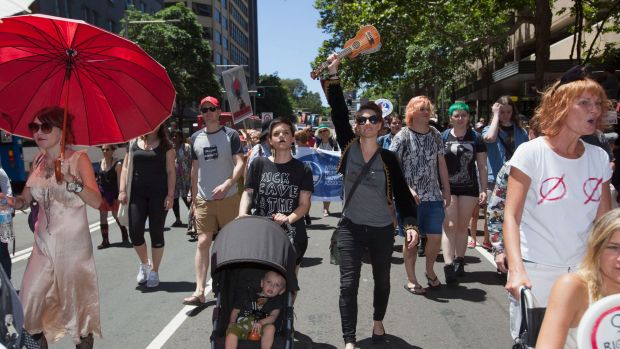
(260, 92)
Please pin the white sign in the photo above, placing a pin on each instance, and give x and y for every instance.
(266, 116)
(386, 106)
(600, 324)
(237, 92)
(611, 118)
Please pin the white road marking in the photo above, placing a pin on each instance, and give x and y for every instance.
(486, 254)
(175, 323)
(25, 253)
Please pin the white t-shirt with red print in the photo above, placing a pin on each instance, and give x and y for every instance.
(561, 203)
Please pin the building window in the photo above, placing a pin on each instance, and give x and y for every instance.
(224, 43)
(218, 58)
(95, 17)
(110, 26)
(224, 23)
(218, 37)
(202, 9)
(68, 8)
(57, 8)
(225, 61)
(224, 4)
(207, 33)
(218, 16)
(142, 6)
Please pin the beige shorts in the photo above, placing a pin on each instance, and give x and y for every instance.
(212, 215)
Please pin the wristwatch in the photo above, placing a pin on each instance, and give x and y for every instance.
(75, 186)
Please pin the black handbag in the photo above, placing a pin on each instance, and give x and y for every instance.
(334, 256)
(531, 321)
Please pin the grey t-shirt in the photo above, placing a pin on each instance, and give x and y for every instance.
(368, 205)
(214, 152)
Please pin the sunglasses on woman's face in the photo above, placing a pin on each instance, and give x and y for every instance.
(44, 127)
(361, 120)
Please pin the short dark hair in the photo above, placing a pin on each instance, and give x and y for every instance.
(277, 121)
(55, 116)
(369, 106)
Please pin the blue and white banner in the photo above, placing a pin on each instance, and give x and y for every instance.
(327, 182)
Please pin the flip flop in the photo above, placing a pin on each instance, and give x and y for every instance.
(195, 300)
(417, 289)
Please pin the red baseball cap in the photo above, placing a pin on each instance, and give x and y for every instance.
(211, 100)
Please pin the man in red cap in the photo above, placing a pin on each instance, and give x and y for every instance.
(217, 163)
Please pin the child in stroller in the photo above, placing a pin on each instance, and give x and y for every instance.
(256, 313)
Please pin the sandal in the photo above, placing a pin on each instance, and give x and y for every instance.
(433, 283)
(417, 289)
(196, 300)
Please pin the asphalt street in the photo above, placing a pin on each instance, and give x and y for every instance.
(472, 314)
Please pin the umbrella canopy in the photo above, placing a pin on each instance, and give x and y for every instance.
(114, 89)
(11, 7)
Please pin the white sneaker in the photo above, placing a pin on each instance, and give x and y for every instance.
(143, 272)
(153, 279)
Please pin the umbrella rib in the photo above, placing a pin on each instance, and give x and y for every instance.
(89, 75)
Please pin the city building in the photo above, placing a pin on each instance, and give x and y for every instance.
(232, 30)
(514, 74)
(106, 14)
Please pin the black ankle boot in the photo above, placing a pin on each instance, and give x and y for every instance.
(448, 270)
(459, 266)
(86, 343)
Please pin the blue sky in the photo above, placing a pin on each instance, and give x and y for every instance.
(289, 39)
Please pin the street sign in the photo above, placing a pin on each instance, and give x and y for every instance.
(386, 106)
(266, 116)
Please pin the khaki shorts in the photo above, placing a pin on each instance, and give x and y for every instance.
(212, 215)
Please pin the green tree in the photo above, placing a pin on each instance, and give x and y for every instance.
(301, 98)
(275, 99)
(181, 49)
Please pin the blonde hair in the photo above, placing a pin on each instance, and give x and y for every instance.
(590, 267)
(415, 104)
(557, 100)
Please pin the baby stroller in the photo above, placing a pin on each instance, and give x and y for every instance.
(243, 251)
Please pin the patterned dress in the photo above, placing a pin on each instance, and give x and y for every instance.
(183, 164)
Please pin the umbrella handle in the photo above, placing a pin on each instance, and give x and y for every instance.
(58, 170)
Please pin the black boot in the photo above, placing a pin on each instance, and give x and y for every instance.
(448, 270)
(40, 339)
(86, 343)
(123, 231)
(459, 266)
(104, 235)
(422, 247)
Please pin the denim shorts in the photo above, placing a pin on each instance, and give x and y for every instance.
(430, 217)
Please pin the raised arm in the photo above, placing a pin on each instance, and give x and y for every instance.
(339, 110)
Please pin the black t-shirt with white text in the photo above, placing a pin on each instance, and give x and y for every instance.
(277, 188)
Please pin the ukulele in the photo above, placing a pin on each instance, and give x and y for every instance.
(367, 40)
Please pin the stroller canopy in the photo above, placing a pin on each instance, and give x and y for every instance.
(254, 239)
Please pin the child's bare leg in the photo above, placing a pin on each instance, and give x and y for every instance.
(267, 337)
(231, 341)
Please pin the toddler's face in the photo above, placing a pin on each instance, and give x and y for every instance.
(272, 284)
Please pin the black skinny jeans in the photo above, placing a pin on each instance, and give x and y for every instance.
(175, 207)
(352, 241)
(143, 205)
(5, 258)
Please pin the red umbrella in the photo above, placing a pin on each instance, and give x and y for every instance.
(114, 89)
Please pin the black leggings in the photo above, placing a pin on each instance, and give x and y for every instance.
(145, 205)
(353, 239)
(175, 207)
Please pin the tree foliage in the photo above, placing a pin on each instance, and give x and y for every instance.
(275, 98)
(180, 48)
(301, 98)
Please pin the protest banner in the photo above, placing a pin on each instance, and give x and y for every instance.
(323, 163)
(237, 93)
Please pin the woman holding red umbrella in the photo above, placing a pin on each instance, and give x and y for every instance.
(59, 290)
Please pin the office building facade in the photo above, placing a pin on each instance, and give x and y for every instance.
(107, 14)
(232, 30)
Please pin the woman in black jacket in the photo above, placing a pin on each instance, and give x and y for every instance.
(365, 226)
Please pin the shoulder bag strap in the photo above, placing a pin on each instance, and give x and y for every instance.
(357, 182)
(509, 150)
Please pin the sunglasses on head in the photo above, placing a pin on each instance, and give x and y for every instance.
(361, 120)
(205, 109)
(44, 127)
(575, 73)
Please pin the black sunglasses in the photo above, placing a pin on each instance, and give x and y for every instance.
(205, 109)
(360, 120)
(44, 127)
